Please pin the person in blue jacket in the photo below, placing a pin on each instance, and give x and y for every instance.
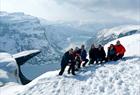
(111, 53)
(68, 58)
(83, 54)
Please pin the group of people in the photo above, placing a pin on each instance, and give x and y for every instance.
(78, 57)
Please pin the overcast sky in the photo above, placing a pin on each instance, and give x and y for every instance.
(77, 10)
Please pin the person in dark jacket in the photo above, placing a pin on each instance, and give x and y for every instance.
(77, 59)
(111, 53)
(101, 54)
(83, 55)
(93, 55)
(68, 58)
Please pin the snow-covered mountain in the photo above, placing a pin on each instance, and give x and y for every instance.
(64, 34)
(113, 78)
(19, 32)
(106, 35)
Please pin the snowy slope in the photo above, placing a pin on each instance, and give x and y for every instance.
(8, 69)
(113, 78)
(10, 66)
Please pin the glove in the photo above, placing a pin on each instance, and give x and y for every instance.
(70, 61)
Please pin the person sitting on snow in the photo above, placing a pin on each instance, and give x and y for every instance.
(93, 54)
(111, 53)
(101, 55)
(83, 55)
(120, 50)
(68, 58)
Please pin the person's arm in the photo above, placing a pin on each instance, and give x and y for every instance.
(85, 53)
(104, 52)
(89, 54)
(123, 50)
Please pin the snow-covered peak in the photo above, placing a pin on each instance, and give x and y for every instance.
(107, 35)
(118, 30)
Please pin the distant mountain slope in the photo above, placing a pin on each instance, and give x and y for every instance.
(106, 35)
(20, 32)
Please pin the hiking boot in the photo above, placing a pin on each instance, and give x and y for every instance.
(73, 74)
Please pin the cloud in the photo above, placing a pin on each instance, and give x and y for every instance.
(118, 8)
(77, 10)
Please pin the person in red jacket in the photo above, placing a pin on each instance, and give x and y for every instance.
(120, 50)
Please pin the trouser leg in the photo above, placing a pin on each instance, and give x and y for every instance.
(120, 56)
(73, 68)
(86, 60)
(79, 64)
(62, 70)
(69, 69)
(117, 57)
(91, 61)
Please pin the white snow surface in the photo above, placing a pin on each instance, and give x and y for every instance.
(8, 69)
(24, 53)
(113, 78)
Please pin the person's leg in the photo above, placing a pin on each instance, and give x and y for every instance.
(91, 61)
(86, 60)
(73, 68)
(62, 69)
(96, 61)
(112, 57)
(106, 59)
(79, 64)
(103, 59)
(118, 57)
(76, 65)
(70, 67)
(121, 56)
